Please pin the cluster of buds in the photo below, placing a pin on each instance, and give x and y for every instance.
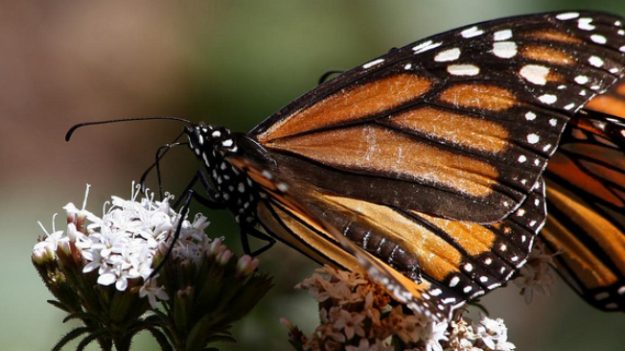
(101, 271)
(357, 314)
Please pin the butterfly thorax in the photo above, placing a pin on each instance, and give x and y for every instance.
(229, 187)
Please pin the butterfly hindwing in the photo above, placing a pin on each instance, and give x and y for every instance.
(433, 264)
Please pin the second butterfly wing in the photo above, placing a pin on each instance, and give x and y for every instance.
(586, 197)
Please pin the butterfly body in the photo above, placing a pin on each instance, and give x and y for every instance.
(226, 186)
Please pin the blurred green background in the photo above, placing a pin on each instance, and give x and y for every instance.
(230, 63)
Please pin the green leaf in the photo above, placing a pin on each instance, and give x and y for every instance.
(73, 334)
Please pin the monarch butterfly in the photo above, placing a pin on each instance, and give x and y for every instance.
(424, 165)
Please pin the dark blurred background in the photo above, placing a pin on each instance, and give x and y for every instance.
(229, 63)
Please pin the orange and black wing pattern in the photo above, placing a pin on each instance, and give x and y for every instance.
(610, 103)
(424, 165)
(430, 263)
(586, 198)
(459, 125)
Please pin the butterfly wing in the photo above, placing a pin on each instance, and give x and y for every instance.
(459, 125)
(611, 103)
(432, 264)
(586, 198)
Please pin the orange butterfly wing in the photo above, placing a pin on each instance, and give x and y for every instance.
(586, 197)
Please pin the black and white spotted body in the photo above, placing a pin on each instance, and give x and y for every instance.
(229, 188)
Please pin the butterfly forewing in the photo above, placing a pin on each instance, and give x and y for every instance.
(467, 118)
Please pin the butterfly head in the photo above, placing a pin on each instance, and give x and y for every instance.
(230, 187)
(209, 142)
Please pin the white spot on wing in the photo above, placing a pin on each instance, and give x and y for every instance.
(530, 116)
(585, 24)
(454, 281)
(504, 49)
(536, 74)
(447, 55)
(425, 46)
(372, 63)
(548, 99)
(504, 34)
(533, 138)
(471, 32)
(581, 79)
(598, 38)
(595, 61)
(463, 70)
(567, 16)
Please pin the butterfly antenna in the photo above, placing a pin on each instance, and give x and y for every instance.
(71, 131)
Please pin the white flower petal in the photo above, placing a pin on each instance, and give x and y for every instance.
(107, 278)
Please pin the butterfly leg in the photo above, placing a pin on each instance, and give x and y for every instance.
(160, 152)
(247, 231)
(206, 201)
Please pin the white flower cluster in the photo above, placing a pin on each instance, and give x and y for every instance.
(487, 334)
(122, 244)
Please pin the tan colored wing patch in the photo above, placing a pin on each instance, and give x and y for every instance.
(552, 35)
(474, 238)
(346, 105)
(456, 128)
(547, 54)
(605, 234)
(481, 96)
(608, 104)
(383, 150)
(561, 166)
(611, 102)
(324, 247)
(311, 243)
(436, 257)
(589, 268)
